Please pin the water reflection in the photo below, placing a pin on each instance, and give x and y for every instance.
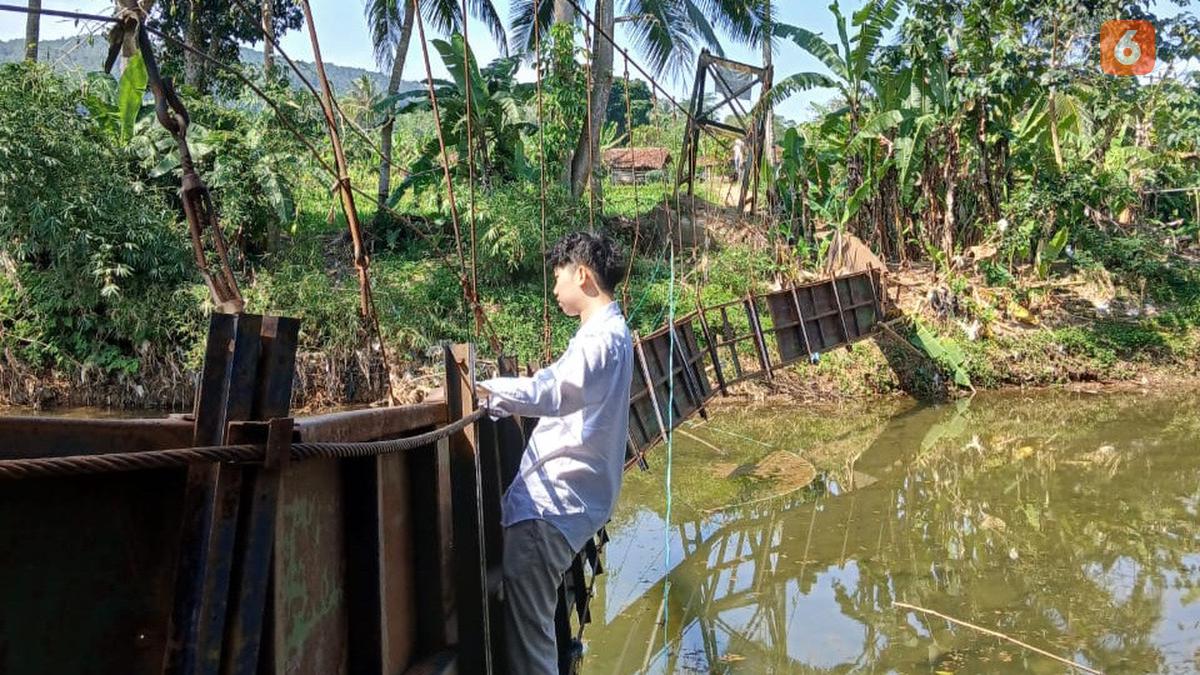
(1069, 522)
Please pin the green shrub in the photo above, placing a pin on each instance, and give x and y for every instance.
(510, 229)
(91, 257)
(251, 162)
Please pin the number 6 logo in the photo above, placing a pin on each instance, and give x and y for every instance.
(1127, 47)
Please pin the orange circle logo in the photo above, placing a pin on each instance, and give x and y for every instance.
(1127, 47)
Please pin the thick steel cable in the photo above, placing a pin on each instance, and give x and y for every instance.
(35, 467)
(60, 13)
(591, 186)
(637, 216)
(345, 450)
(127, 461)
(537, 48)
(468, 60)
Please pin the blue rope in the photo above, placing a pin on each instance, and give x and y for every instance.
(669, 442)
(646, 291)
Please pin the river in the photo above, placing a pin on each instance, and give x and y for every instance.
(1067, 521)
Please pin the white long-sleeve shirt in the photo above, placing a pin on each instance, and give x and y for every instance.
(571, 470)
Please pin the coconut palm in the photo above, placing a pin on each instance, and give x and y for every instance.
(391, 25)
(664, 33)
(361, 102)
(32, 29)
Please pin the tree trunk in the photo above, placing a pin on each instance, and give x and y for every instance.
(385, 133)
(33, 24)
(193, 66)
(950, 180)
(564, 12)
(985, 164)
(769, 133)
(587, 151)
(213, 42)
(268, 26)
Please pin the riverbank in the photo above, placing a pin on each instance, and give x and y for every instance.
(1046, 345)
(883, 367)
(1079, 359)
(1124, 308)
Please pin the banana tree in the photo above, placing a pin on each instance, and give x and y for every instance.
(861, 122)
(805, 173)
(115, 104)
(391, 23)
(849, 62)
(496, 125)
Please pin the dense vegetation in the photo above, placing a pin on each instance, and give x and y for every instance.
(975, 140)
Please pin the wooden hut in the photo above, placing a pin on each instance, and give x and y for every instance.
(627, 165)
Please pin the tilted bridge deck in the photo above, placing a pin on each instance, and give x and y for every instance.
(377, 564)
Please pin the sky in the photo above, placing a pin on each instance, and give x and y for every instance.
(345, 41)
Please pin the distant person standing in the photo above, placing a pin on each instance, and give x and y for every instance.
(739, 158)
(571, 470)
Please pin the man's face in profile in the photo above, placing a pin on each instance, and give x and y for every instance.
(569, 281)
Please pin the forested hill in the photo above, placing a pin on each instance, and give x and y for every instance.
(86, 54)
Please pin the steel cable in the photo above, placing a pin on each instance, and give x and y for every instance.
(34, 467)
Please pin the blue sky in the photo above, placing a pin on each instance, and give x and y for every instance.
(344, 40)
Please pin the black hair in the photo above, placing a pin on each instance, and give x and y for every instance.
(598, 252)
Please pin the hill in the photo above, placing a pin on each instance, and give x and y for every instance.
(84, 54)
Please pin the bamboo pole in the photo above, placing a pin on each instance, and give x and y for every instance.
(1002, 636)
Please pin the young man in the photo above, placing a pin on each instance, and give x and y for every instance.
(571, 470)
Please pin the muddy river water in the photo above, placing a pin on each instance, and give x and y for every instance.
(1069, 522)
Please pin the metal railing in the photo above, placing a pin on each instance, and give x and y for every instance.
(379, 552)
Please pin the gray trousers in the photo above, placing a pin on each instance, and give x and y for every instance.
(536, 556)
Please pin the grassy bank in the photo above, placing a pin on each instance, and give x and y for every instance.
(100, 304)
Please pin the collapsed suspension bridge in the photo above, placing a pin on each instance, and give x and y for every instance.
(242, 539)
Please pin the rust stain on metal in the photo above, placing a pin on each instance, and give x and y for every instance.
(310, 612)
(60, 436)
(371, 423)
(397, 581)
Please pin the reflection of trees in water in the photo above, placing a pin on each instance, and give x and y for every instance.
(1060, 525)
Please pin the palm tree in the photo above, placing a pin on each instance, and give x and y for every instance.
(360, 103)
(268, 21)
(665, 33)
(586, 157)
(763, 36)
(32, 28)
(391, 25)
